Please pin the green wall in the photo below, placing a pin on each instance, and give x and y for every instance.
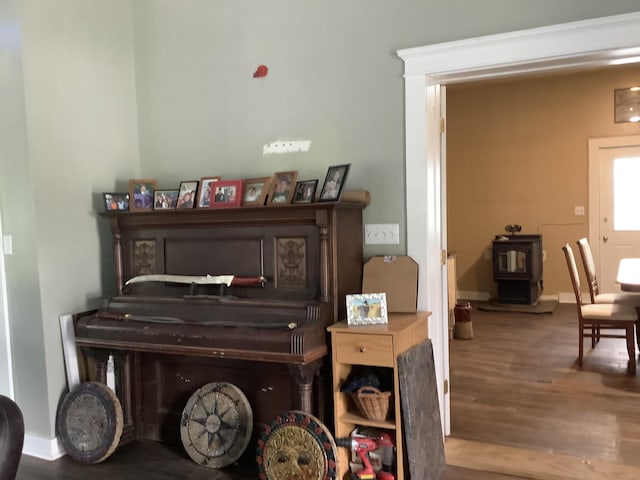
(97, 92)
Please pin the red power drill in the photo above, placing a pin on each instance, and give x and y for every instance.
(362, 447)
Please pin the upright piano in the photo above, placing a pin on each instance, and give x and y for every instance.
(171, 328)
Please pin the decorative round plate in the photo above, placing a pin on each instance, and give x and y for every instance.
(89, 422)
(296, 446)
(216, 425)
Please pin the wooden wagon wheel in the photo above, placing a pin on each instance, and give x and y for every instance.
(89, 422)
(216, 425)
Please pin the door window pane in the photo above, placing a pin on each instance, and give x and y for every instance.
(626, 194)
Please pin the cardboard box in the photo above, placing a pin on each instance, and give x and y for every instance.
(397, 276)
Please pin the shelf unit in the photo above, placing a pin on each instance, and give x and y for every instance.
(375, 346)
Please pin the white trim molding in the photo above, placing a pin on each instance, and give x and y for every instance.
(45, 448)
(589, 43)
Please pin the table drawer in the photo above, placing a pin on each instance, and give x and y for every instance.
(358, 349)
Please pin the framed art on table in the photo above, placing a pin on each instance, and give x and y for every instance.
(204, 194)
(187, 194)
(367, 309)
(228, 193)
(255, 190)
(116, 201)
(305, 192)
(281, 191)
(141, 193)
(165, 199)
(334, 183)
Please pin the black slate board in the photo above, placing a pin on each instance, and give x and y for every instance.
(422, 428)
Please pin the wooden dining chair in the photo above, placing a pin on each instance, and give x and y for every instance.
(625, 298)
(594, 318)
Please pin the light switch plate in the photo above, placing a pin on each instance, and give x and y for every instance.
(382, 234)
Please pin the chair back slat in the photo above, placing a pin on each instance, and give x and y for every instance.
(573, 273)
(589, 268)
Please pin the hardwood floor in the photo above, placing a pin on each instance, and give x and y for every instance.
(516, 385)
(521, 409)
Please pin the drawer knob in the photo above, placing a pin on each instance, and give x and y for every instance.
(363, 349)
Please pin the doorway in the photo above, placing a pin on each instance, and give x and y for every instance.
(6, 370)
(575, 45)
(614, 232)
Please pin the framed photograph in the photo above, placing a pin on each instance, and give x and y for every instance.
(228, 193)
(116, 201)
(204, 194)
(165, 199)
(305, 191)
(334, 182)
(281, 191)
(255, 190)
(141, 193)
(367, 309)
(187, 194)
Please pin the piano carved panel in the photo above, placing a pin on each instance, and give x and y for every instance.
(144, 257)
(177, 337)
(291, 258)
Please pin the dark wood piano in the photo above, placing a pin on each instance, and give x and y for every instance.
(265, 333)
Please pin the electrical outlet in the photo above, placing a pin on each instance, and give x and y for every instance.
(544, 255)
(578, 211)
(382, 234)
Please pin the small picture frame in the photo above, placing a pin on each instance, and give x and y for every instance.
(165, 199)
(334, 183)
(305, 191)
(187, 194)
(281, 191)
(141, 193)
(255, 191)
(204, 194)
(367, 309)
(116, 200)
(228, 193)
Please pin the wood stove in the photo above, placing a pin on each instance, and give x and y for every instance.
(517, 268)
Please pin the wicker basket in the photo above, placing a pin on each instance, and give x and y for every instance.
(372, 403)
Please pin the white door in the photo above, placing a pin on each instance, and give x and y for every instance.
(616, 161)
(6, 376)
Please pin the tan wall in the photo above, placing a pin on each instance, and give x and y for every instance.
(517, 154)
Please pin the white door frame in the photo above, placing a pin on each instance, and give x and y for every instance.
(595, 145)
(6, 364)
(597, 42)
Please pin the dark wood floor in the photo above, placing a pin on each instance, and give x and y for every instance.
(148, 460)
(515, 384)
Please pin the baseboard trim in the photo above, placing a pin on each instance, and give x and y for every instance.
(478, 296)
(44, 448)
(484, 296)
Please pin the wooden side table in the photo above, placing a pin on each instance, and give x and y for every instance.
(377, 346)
